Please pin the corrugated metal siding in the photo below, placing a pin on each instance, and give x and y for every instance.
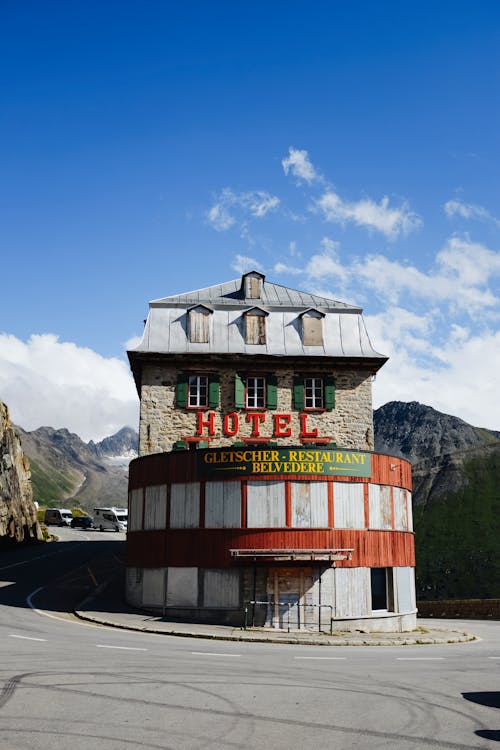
(223, 505)
(349, 505)
(309, 504)
(265, 504)
(182, 467)
(135, 509)
(352, 592)
(134, 586)
(405, 589)
(182, 587)
(409, 511)
(209, 548)
(153, 587)
(400, 509)
(155, 507)
(221, 588)
(185, 506)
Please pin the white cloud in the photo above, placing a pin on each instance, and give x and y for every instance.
(298, 164)
(464, 382)
(47, 382)
(468, 211)
(256, 203)
(390, 221)
(459, 278)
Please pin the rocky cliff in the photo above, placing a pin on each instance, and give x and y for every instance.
(18, 514)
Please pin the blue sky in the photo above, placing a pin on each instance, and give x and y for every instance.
(151, 148)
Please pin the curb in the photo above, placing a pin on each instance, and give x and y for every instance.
(449, 637)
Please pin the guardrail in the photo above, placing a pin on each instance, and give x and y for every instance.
(289, 605)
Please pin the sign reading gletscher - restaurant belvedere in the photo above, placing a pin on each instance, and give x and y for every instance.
(261, 461)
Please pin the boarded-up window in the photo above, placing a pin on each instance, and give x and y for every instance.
(185, 506)
(153, 583)
(349, 505)
(400, 509)
(380, 506)
(265, 504)
(253, 286)
(309, 504)
(182, 587)
(255, 327)
(352, 595)
(221, 588)
(223, 505)
(135, 510)
(199, 325)
(405, 589)
(312, 328)
(155, 507)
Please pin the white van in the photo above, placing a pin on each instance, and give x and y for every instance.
(113, 519)
(58, 517)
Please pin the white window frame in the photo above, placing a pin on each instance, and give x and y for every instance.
(197, 391)
(255, 392)
(313, 400)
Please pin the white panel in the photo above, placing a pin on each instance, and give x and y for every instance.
(352, 592)
(223, 505)
(309, 504)
(182, 587)
(349, 505)
(155, 507)
(185, 505)
(275, 335)
(400, 506)
(405, 589)
(221, 588)
(152, 587)
(349, 329)
(410, 510)
(265, 504)
(379, 497)
(135, 510)
(134, 586)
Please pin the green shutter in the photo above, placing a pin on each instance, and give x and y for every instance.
(272, 392)
(179, 445)
(181, 391)
(239, 392)
(213, 390)
(329, 394)
(202, 444)
(298, 393)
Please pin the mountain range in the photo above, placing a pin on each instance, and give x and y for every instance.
(67, 471)
(456, 488)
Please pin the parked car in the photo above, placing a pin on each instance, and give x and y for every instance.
(82, 522)
(58, 517)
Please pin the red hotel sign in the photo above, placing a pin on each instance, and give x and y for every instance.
(280, 424)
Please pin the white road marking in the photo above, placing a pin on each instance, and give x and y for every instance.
(26, 637)
(420, 658)
(123, 648)
(208, 653)
(493, 657)
(323, 658)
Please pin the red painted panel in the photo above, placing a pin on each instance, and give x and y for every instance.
(211, 547)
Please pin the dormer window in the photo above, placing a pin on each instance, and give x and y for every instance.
(312, 327)
(252, 284)
(199, 324)
(255, 326)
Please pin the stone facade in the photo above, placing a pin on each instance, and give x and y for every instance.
(162, 423)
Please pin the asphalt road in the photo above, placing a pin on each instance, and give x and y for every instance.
(67, 685)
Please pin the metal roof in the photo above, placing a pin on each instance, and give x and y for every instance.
(344, 331)
(231, 293)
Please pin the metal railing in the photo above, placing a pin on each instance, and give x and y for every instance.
(271, 603)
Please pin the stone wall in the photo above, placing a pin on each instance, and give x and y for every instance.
(349, 425)
(18, 514)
